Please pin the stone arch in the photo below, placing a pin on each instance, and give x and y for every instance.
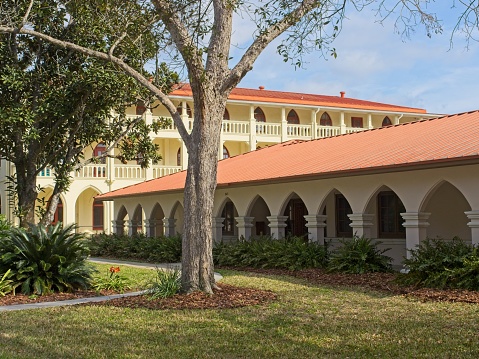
(137, 219)
(335, 206)
(259, 210)
(88, 212)
(42, 201)
(228, 211)
(156, 221)
(446, 205)
(385, 207)
(177, 215)
(295, 210)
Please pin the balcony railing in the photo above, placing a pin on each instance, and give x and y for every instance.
(92, 171)
(160, 171)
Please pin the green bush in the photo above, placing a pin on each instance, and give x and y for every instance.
(443, 264)
(112, 281)
(6, 284)
(43, 260)
(265, 252)
(137, 247)
(166, 283)
(359, 255)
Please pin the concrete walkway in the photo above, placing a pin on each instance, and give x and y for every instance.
(13, 307)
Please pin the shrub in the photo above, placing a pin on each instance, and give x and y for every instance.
(443, 264)
(359, 255)
(6, 284)
(43, 259)
(265, 252)
(138, 247)
(166, 283)
(112, 281)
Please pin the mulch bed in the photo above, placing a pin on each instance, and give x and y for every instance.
(232, 297)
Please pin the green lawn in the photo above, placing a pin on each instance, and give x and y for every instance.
(305, 322)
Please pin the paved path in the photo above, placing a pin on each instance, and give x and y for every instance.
(101, 298)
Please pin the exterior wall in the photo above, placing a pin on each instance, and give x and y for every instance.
(445, 193)
(240, 134)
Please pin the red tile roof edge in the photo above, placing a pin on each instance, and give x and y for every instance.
(391, 167)
(284, 97)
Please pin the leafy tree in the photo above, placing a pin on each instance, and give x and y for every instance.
(198, 35)
(56, 102)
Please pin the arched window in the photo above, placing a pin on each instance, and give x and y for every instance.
(228, 214)
(226, 115)
(178, 157)
(343, 228)
(188, 110)
(386, 122)
(390, 220)
(259, 115)
(97, 216)
(325, 120)
(226, 153)
(293, 118)
(99, 150)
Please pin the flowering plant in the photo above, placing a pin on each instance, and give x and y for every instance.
(112, 281)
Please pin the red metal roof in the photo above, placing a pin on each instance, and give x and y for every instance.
(438, 142)
(252, 95)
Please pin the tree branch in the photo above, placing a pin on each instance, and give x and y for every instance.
(163, 98)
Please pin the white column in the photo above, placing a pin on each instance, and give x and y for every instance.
(118, 227)
(416, 229)
(277, 226)
(184, 156)
(150, 225)
(473, 217)
(342, 124)
(396, 120)
(244, 226)
(218, 228)
(148, 116)
(316, 225)
(284, 125)
(169, 225)
(314, 125)
(370, 121)
(252, 129)
(361, 224)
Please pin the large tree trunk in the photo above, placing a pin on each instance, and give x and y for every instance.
(197, 258)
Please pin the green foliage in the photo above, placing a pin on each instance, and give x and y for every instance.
(137, 247)
(112, 281)
(6, 284)
(265, 252)
(359, 255)
(5, 225)
(43, 259)
(166, 283)
(443, 264)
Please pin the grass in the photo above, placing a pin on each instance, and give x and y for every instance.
(305, 322)
(137, 277)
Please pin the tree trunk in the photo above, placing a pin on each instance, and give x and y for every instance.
(197, 257)
(51, 208)
(26, 193)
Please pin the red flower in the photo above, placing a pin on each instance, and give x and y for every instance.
(114, 269)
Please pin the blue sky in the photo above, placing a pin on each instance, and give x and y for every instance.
(374, 63)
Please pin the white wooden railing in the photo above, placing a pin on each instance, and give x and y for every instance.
(129, 172)
(327, 131)
(160, 171)
(235, 127)
(268, 129)
(299, 131)
(92, 171)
